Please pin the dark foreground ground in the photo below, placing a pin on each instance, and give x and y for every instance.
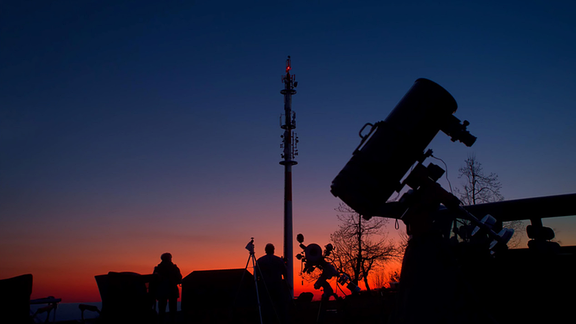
(370, 307)
(522, 286)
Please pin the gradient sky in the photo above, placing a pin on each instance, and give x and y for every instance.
(132, 128)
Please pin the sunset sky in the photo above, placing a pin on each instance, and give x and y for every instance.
(133, 128)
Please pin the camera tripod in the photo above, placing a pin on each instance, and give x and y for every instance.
(257, 272)
(251, 257)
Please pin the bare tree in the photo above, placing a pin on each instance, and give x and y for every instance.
(479, 188)
(361, 246)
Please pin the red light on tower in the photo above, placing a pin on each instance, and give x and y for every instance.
(288, 67)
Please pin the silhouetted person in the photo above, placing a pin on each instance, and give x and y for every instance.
(271, 284)
(169, 277)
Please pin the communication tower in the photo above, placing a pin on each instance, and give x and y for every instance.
(290, 151)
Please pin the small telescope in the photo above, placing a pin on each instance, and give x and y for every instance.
(312, 257)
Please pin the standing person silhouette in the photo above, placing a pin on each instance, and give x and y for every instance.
(169, 277)
(272, 269)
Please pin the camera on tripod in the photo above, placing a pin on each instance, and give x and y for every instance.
(250, 246)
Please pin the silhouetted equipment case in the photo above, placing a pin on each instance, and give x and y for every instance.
(15, 299)
(214, 296)
(126, 297)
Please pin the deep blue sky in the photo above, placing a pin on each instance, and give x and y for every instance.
(131, 124)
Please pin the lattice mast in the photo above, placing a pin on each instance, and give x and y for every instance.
(289, 144)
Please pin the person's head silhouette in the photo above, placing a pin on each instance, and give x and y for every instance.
(166, 257)
(269, 248)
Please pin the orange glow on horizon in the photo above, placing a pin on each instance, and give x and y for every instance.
(66, 270)
(81, 287)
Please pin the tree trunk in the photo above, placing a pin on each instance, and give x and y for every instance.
(359, 257)
(366, 282)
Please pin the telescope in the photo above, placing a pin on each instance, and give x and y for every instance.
(394, 145)
(312, 257)
(436, 262)
(391, 155)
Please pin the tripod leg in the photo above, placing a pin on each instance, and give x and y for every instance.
(256, 285)
(328, 291)
(250, 257)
